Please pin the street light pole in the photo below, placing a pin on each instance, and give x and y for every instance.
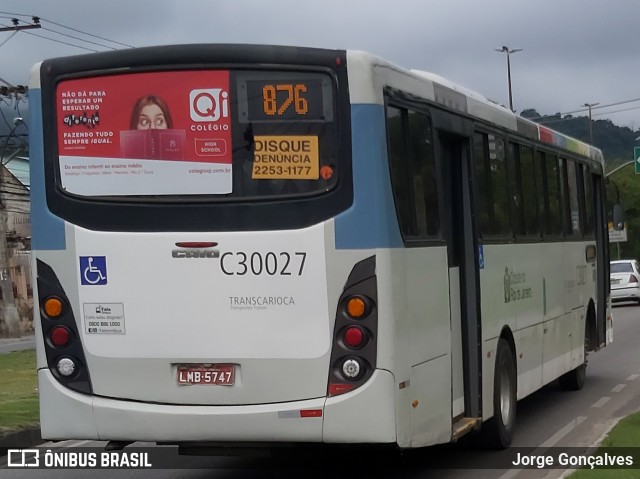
(509, 51)
(590, 106)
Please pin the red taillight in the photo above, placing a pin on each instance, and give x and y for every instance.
(353, 337)
(355, 333)
(633, 279)
(60, 336)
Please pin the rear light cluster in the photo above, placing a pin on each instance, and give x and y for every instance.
(65, 356)
(633, 279)
(353, 356)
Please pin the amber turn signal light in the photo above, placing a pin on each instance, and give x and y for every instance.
(356, 307)
(53, 307)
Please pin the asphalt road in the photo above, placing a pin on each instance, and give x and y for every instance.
(550, 418)
(8, 345)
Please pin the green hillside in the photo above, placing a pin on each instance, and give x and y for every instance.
(617, 144)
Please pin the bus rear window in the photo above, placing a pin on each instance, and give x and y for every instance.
(212, 134)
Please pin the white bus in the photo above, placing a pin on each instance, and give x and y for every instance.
(243, 244)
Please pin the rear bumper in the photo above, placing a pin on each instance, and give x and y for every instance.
(366, 415)
(625, 294)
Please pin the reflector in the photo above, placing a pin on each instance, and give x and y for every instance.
(335, 389)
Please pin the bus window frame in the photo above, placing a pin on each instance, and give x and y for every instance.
(398, 99)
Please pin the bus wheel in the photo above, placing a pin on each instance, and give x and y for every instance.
(574, 379)
(498, 431)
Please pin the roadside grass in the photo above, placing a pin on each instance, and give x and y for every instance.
(18, 391)
(626, 434)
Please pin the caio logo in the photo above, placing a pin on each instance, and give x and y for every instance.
(209, 104)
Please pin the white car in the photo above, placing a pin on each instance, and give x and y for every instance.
(625, 281)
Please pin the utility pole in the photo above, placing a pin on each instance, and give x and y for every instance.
(509, 51)
(590, 106)
(9, 310)
(16, 25)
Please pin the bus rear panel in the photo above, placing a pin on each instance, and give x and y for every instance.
(182, 228)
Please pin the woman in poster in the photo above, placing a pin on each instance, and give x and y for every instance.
(150, 112)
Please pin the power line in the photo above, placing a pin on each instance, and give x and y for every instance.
(616, 111)
(6, 83)
(593, 108)
(68, 28)
(78, 38)
(5, 120)
(89, 34)
(605, 106)
(10, 37)
(558, 120)
(60, 41)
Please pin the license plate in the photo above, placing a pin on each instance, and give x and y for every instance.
(615, 281)
(216, 374)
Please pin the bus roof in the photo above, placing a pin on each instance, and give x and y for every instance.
(440, 90)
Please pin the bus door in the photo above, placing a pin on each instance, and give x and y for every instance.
(602, 262)
(454, 144)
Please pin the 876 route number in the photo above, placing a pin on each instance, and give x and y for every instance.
(256, 264)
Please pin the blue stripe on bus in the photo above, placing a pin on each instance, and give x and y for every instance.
(47, 230)
(371, 221)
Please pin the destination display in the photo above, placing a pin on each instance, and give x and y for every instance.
(293, 99)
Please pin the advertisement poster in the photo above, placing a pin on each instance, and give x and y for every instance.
(158, 133)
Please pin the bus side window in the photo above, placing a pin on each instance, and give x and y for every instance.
(554, 212)
(516, 201)
(490, 186)
(424, 175)
(574, 204)
(399, 163)
(413, 172)
(589, 208)
(482, 182)
(499, 190)
(529, 191)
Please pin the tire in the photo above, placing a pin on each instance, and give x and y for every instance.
(498, 431)
(574, 379)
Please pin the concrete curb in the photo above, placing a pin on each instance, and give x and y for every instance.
(19, 440)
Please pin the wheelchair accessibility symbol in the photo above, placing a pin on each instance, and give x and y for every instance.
(93, 270)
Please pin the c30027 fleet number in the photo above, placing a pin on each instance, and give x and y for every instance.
(272, 264)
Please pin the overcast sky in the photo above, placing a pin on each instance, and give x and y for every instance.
(574, 51)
